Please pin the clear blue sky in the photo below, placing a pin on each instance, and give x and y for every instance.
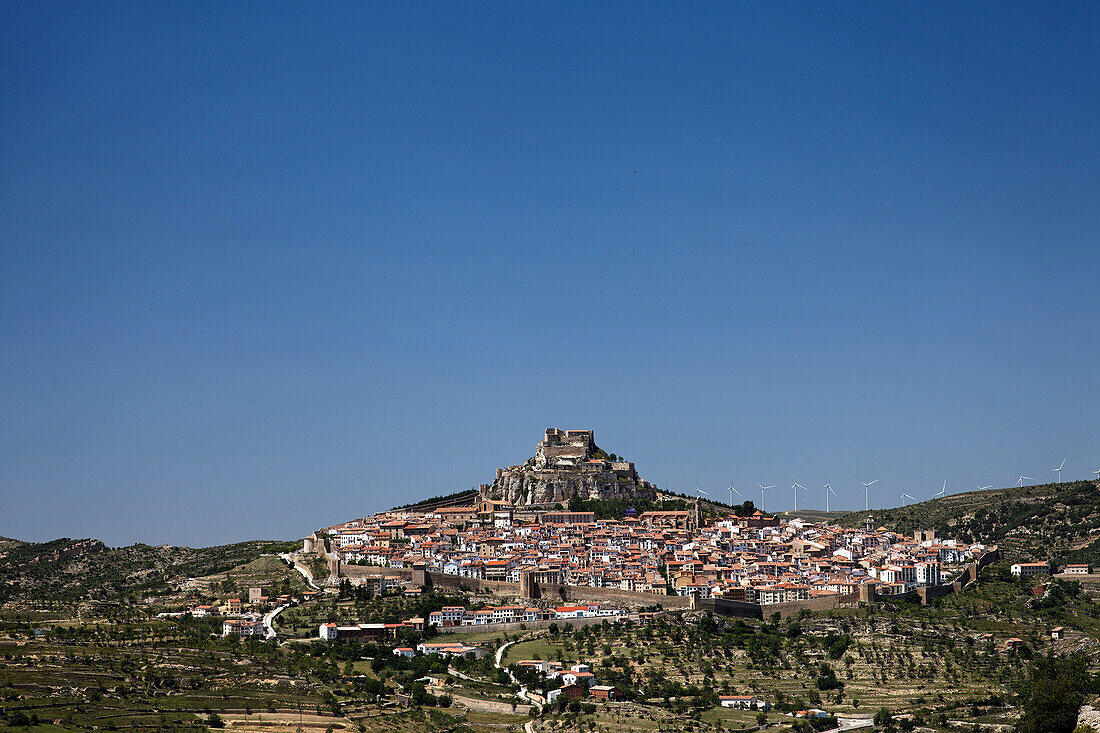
(267, 267)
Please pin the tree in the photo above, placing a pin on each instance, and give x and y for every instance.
(883, 718)
(215, 721)
(1054, 692)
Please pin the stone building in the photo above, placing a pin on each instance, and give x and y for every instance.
(567, 464)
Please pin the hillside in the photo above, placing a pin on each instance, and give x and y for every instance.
(814, 515)
(458, 498)
(1059, 522)
(72, 570)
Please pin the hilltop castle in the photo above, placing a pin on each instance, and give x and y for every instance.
(566, 464)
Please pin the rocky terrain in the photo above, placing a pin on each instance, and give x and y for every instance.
(567, 465)
(520, 486)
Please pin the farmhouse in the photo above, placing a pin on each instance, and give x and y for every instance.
(606, 692)
(569, 692)
(1030, 568)
(745, 702)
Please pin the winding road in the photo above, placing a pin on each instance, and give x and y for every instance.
(269, 620)
(301, 569)
(522, 693)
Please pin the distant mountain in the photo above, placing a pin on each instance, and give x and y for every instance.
(86, 569)
(1059, 522)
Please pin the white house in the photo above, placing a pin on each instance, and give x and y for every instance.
(928, 573)
(1030, 568)
(243, 627)
(584, 679)
(745, 702)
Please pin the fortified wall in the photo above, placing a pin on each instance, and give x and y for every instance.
(553, 592)
(567, 464)
(741, 609)
(866, 594)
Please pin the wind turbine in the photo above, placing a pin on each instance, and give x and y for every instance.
(1020, 481)
(828, 490)
(905, 496)
(942, 492)
(764, 488)
(983, 488)
(796, 486)
(733, 491)
(1097, 472)
(867, 493)
(1059, 470)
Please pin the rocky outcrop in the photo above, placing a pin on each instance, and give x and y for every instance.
(567, 465)
(1088, 715)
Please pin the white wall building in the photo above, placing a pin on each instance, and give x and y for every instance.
(1030, 568)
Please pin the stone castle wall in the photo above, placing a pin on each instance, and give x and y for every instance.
(530, 625)
(741, 609)
(550, 592)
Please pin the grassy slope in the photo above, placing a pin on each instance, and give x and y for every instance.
(1051, 521)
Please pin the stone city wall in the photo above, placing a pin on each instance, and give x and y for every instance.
(969, 574)
(821, 603)
(532, 625)
(555, 593)
(741, 609)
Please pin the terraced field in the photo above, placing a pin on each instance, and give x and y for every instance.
(945, 663)
(166, 676)
(935, 661)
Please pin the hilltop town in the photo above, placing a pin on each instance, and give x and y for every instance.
(571, 591)
(528, 538)
(757, 559)
(568, 592)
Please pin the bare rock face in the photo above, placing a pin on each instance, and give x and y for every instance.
(567, 464)
(1089, 715)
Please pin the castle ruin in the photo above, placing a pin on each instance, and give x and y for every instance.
(567, 464)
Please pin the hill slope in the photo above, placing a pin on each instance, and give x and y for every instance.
(70, 570)
(1060, 522)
